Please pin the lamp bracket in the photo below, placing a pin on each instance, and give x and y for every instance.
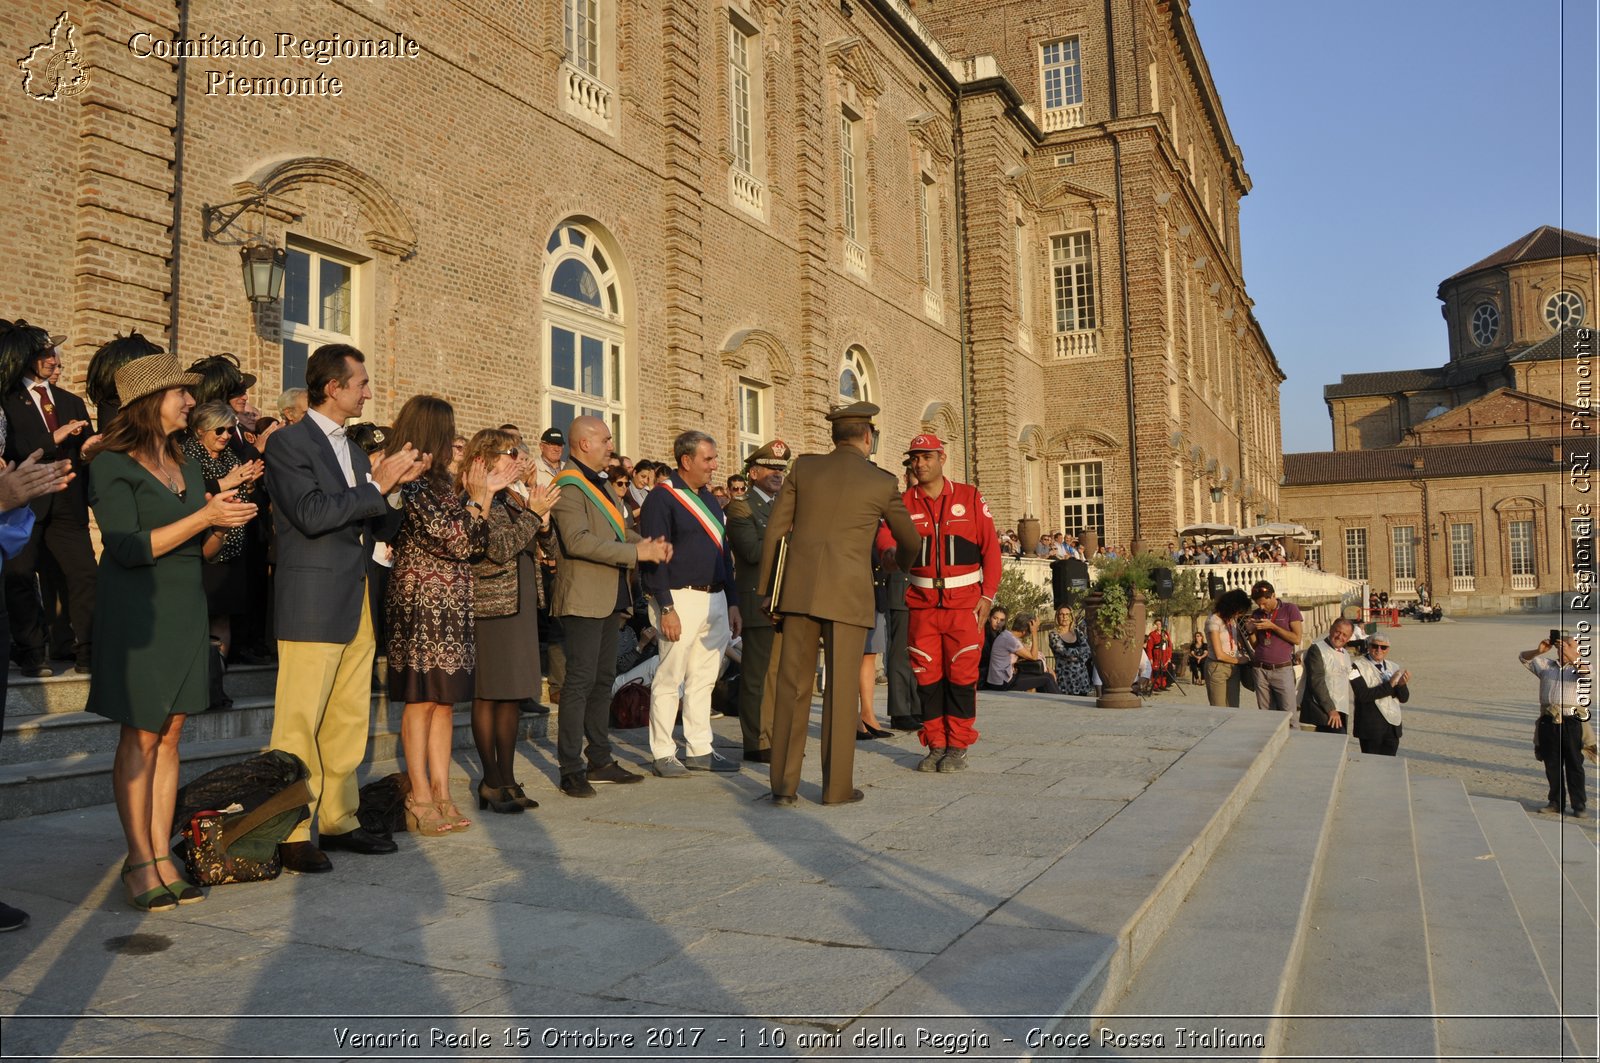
(215, 220)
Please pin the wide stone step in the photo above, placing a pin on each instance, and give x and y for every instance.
(1572, 845)
(1488, 985)
(1556, 919)
(1365, 956)
(54, 735)
(81, 779)
(1070, 939)
(1223, 963)
(70, 692)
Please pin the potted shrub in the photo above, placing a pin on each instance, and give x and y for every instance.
(1115, 619)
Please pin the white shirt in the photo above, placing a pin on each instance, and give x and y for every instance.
(1558, 684)
(340, 442)
(30, 383)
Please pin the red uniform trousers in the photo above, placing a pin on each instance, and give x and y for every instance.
(945, 648)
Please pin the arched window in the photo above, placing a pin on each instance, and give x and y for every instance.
(584, 348)
(857, 383)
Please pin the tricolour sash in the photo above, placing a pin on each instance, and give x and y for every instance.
(573, 478)
(698, 509)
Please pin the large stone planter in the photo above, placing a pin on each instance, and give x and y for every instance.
(1028, 533)
(1117, 660)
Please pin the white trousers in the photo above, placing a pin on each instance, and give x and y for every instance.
(688, 670)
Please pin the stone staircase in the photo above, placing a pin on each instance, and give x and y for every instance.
(1276, 894)
(55, 756)
(1356, 910)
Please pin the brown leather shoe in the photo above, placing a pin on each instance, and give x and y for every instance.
(303, 858)
(784, 800)
(855, 795)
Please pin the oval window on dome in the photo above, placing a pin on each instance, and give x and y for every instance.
(1564, 309)
(1485, 324)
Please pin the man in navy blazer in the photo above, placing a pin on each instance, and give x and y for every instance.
(329, 505)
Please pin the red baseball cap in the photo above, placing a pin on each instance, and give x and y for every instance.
(927, 441)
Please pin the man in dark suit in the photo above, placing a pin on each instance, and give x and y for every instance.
(52, 420)
(747, 531)
(329, 505)
(829, 508)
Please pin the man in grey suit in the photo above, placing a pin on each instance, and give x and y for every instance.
(1328, 699)
(328, 506)
(747, 530)
(595, 548)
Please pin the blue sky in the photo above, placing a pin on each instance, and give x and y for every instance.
(1392, 143)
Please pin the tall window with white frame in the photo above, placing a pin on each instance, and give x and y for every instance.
(925, 223)
(739, 97)
(746, 111)
(1072, 277)
(1405, 558)
(1519, 536)
(1020, 271)
(582, 29)
(1083, 504)
(584, 333)
(1355, 553)
(1063, 84)
(318, 306)
(852, 211)
(753, 402)
(1463, 557)
(587, 77)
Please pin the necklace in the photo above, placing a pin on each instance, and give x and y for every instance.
(159, 471)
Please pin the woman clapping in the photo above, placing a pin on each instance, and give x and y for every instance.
(432, 655)
(505, 591)
(150, 667)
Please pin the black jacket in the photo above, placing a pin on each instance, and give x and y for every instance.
(26, 433)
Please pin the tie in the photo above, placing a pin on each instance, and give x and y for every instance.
(48, 407)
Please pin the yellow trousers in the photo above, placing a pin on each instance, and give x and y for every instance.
(322, 715)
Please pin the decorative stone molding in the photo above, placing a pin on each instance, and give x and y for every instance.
(742, 348)
(389, 230)
(931, 132)
(855, 73)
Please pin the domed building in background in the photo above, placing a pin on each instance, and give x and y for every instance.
(1474, 478)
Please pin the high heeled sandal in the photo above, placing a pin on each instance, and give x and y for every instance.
(498, 799)
(425, 819)
(452, 815)
(521, 797)
(159, 899)
(183, 891)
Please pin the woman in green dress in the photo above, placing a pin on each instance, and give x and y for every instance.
(149, 652)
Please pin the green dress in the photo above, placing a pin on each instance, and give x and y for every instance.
(150, 631)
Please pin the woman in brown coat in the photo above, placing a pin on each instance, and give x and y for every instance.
(505, 599)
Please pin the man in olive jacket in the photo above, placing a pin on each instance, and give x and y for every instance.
(747, 531)
(829, 508)
(595, 548)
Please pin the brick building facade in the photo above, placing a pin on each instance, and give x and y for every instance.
(1475, 477)
(724, 214)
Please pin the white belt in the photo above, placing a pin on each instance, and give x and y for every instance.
(947, 582)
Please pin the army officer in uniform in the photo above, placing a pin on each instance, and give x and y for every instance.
(829, 509)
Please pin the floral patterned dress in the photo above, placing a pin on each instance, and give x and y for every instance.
(1072, 663)
(431, 649)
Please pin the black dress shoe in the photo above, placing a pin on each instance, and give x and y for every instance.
(303, 858)
(361, 841)
(82, 668)
(576, 785)
(784, 800)
(758, 756)
(855, 795)
(613, 772)
(905, 723)
(36, 671)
